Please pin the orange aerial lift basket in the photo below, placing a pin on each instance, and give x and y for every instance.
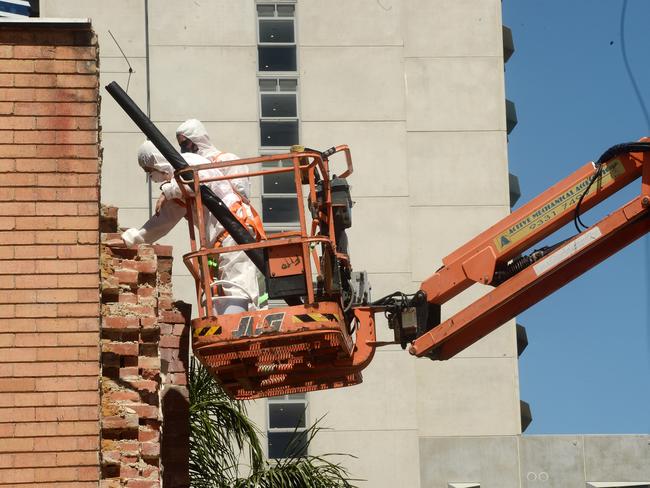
(323, 336)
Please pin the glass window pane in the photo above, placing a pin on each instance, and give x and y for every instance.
(279, 106)
(276, 31)
(279, 133)
(279, 183)
(266, 10)
(281, 58)
(288, 84)
(286, 415)
(279, 210)
(268, 84)
(282, 444)
(286, 10)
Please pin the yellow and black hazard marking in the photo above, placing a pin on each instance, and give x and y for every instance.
(208, 330)
(315, 317)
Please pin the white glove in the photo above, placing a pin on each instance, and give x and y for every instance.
(131, 237)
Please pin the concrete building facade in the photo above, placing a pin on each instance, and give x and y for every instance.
(416, 88)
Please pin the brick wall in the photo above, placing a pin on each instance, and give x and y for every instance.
(49, 305)
(144, 343)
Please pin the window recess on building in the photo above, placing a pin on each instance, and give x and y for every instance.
(278, 132)
(276, 37)
(287, 431)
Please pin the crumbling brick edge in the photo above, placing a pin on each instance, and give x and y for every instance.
(144, 354)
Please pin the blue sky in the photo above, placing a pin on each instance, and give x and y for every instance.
(587, 366)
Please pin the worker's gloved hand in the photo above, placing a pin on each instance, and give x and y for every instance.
(132, 237)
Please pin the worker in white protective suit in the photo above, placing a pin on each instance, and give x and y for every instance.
(236, 275)
(192, 137)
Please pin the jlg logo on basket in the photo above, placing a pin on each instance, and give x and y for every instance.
(267, 324)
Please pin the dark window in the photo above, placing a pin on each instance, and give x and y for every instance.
(287, 444)
(279, 210)
(265, 10)
(276, 31)
(279, 133)
(279, 105)
(287, 415)
(277, 58)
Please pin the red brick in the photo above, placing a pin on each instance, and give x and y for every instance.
(54, 66)
(145, 362)
(7, 282)
(18, 296)
(36, 281)
(18, 414)
(7, 108)
(17, 123)
(56, 474)
(90, 398)
(64, 151)
(36, 252)
(127, 422)
(127, 276)
(78, 165)
(121, 348)
(56, 208)
(7, 311)
(34, 52)
(142, 484)
(58, 266)
(59, 237)
(34, 80)
(25, 475)
(77, 223)
(78, 339)
(128, 371)
(7, 194)
(75, 52)
(77, 252)
(146, 434)
(76, 137)
(78, 281)
(17, 179)
(78, 310)
(17, 66)
(7, 79)
(79, 194)
(121, 323)
(56, 296)
(16, 237)
(66, 123)
(34, 137)
(144, 385)
(76, 81)
(36, 310)
(77, 458)
(7, 223)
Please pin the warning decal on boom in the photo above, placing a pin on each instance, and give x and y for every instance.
(557, 207)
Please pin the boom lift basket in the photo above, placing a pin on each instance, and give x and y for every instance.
(310, 343)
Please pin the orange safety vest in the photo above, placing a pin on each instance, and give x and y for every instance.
(252, 221)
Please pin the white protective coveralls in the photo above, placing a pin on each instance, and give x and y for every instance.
(237, 273)
(194, 130)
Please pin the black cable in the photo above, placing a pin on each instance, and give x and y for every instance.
(612, 152)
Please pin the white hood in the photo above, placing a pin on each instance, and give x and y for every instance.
(195, 131)
(149, 158)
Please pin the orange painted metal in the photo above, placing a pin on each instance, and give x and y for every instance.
(528, 225)
(285, 350)
(477, 260)
(292, 349)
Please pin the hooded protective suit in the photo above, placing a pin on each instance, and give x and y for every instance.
(194, 130)
(236, 271)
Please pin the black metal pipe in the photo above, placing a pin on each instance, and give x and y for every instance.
(211, 201)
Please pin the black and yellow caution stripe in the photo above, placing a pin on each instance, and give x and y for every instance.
(315, 317)
(207, 330)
